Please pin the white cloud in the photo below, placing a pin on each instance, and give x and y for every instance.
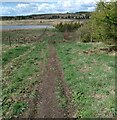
(47, 6)
(91, 8)
(50, 0)
(6, 10)
(22, 6)
(28, 0)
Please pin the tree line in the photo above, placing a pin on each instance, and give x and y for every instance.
(77, 15)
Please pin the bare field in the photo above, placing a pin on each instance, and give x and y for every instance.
(37, 22)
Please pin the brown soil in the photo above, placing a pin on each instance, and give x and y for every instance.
(46, 104)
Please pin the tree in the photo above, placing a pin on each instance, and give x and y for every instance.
(104, 21)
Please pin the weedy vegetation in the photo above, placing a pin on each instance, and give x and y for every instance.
(87, 56)
(22, 68)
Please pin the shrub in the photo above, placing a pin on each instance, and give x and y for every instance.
(68, 26)
(84, 33)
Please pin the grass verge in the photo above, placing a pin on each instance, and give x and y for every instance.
(91, 75)
(63, 102)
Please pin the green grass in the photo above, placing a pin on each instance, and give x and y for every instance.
(19, 84)
(13, 53)
(22, 36)
(91, 78)
(63, 102)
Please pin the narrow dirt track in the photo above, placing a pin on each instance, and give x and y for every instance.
(45, 105)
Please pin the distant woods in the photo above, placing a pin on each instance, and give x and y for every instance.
(77, 15)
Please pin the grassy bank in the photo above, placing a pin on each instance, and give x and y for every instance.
(90, 73)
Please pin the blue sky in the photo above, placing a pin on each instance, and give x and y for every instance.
(27, 7)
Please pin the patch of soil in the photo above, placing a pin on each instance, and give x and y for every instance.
(45, 104)
(90, 52)
(109, 49)
(64, 87)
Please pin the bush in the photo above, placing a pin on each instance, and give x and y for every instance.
(68, 26)
(83, 34)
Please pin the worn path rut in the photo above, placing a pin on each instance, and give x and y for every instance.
(45, 105)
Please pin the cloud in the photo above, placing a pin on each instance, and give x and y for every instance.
(22, 6)
(28, 0)
(25, 8)
(6, 10)
(50, 0)
(46, 6)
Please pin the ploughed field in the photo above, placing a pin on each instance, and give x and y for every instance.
(46, 76)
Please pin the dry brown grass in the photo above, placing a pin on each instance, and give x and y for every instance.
(35, 22)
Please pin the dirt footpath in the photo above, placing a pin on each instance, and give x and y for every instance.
(46, 104)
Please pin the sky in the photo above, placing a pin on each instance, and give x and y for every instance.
(28, 7)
